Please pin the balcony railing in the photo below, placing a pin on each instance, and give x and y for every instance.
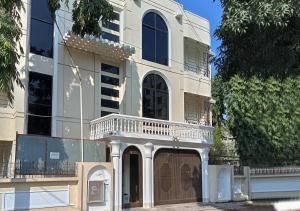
(127, 125)
(37, 169)
(201, 70)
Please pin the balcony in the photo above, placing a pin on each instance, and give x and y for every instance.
(202, 70)
(145, 128)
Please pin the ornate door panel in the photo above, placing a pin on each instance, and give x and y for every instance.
(177, 176)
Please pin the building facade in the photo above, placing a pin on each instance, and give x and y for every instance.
(145, 91)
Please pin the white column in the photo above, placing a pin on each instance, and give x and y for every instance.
(117, 178)
(205, 179)
(148, 174)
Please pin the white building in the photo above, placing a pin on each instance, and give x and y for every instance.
(146, 91)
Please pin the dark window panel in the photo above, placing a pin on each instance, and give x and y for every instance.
(39, 125)
(39, 109)
(161, 24)
(110, 69)
(40, 89)
(110, 104)
(109, 92)
(155, 97)
(110, 37)
(112, 26)
(39, 103)
(109, 80)
(148, 45)
(117, 16)
(160, 84)
(162, 47)
(40, 10)
(149, 19)
(105, 113)
(155, 39)
(41, 38)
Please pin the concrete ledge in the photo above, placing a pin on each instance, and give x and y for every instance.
(52, 179)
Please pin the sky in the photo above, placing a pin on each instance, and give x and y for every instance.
(210, 10)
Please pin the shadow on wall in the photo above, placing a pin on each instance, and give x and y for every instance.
(132, 91)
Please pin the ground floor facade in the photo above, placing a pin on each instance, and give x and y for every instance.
(148, 174)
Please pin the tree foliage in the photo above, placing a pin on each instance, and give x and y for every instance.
(86, 15)
(258, 73)
(10, 48)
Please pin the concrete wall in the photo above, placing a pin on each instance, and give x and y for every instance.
(275, 186)
(70, 193)
(26, 193)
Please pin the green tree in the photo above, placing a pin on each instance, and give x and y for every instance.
(86, 17)
(258, 67)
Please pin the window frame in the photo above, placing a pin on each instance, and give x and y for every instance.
(46, 22)
(155, 28)
(155, 92)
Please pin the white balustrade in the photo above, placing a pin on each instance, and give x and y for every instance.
(118, 123)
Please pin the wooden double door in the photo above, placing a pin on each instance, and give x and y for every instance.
(177, 177)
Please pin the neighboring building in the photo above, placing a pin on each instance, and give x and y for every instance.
(146, 91)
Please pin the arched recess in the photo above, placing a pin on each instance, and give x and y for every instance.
(177, 176)
(132, 178)
(155, 97)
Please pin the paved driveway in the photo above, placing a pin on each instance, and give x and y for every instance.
(204, 207)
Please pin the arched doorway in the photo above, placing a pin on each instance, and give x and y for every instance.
(132, 178)
(177, 176)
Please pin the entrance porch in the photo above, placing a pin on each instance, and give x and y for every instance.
(155, 161)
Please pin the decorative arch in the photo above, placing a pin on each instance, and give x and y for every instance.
(132, 177)
(155, 38)
(155, 97)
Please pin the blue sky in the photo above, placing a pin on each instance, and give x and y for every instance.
(210, 10)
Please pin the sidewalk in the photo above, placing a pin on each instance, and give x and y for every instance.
(233, 206)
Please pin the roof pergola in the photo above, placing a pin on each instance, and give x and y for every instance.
(99, 46)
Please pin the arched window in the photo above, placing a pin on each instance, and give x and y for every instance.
(155, 97)
(155, 39)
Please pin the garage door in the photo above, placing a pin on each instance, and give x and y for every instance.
(177, 176)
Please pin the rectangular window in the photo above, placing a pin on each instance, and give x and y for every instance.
(109, 92)
(109, 80)
(39, 104)
(41, 29)
(110, 104)
(111, 37)
(105, 113)
(109, 69)
(112, 26)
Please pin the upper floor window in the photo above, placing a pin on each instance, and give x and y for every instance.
(41, 29)
(155, 39)
(155, 97)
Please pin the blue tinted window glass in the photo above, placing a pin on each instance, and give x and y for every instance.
(112, 26)
(149, 19)
(110, 69)
(41, 38)
(162, 47)
(160, 24)
(155, 39)
(110, 37)
(109, 80)
(148, 43)
(40, 10)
